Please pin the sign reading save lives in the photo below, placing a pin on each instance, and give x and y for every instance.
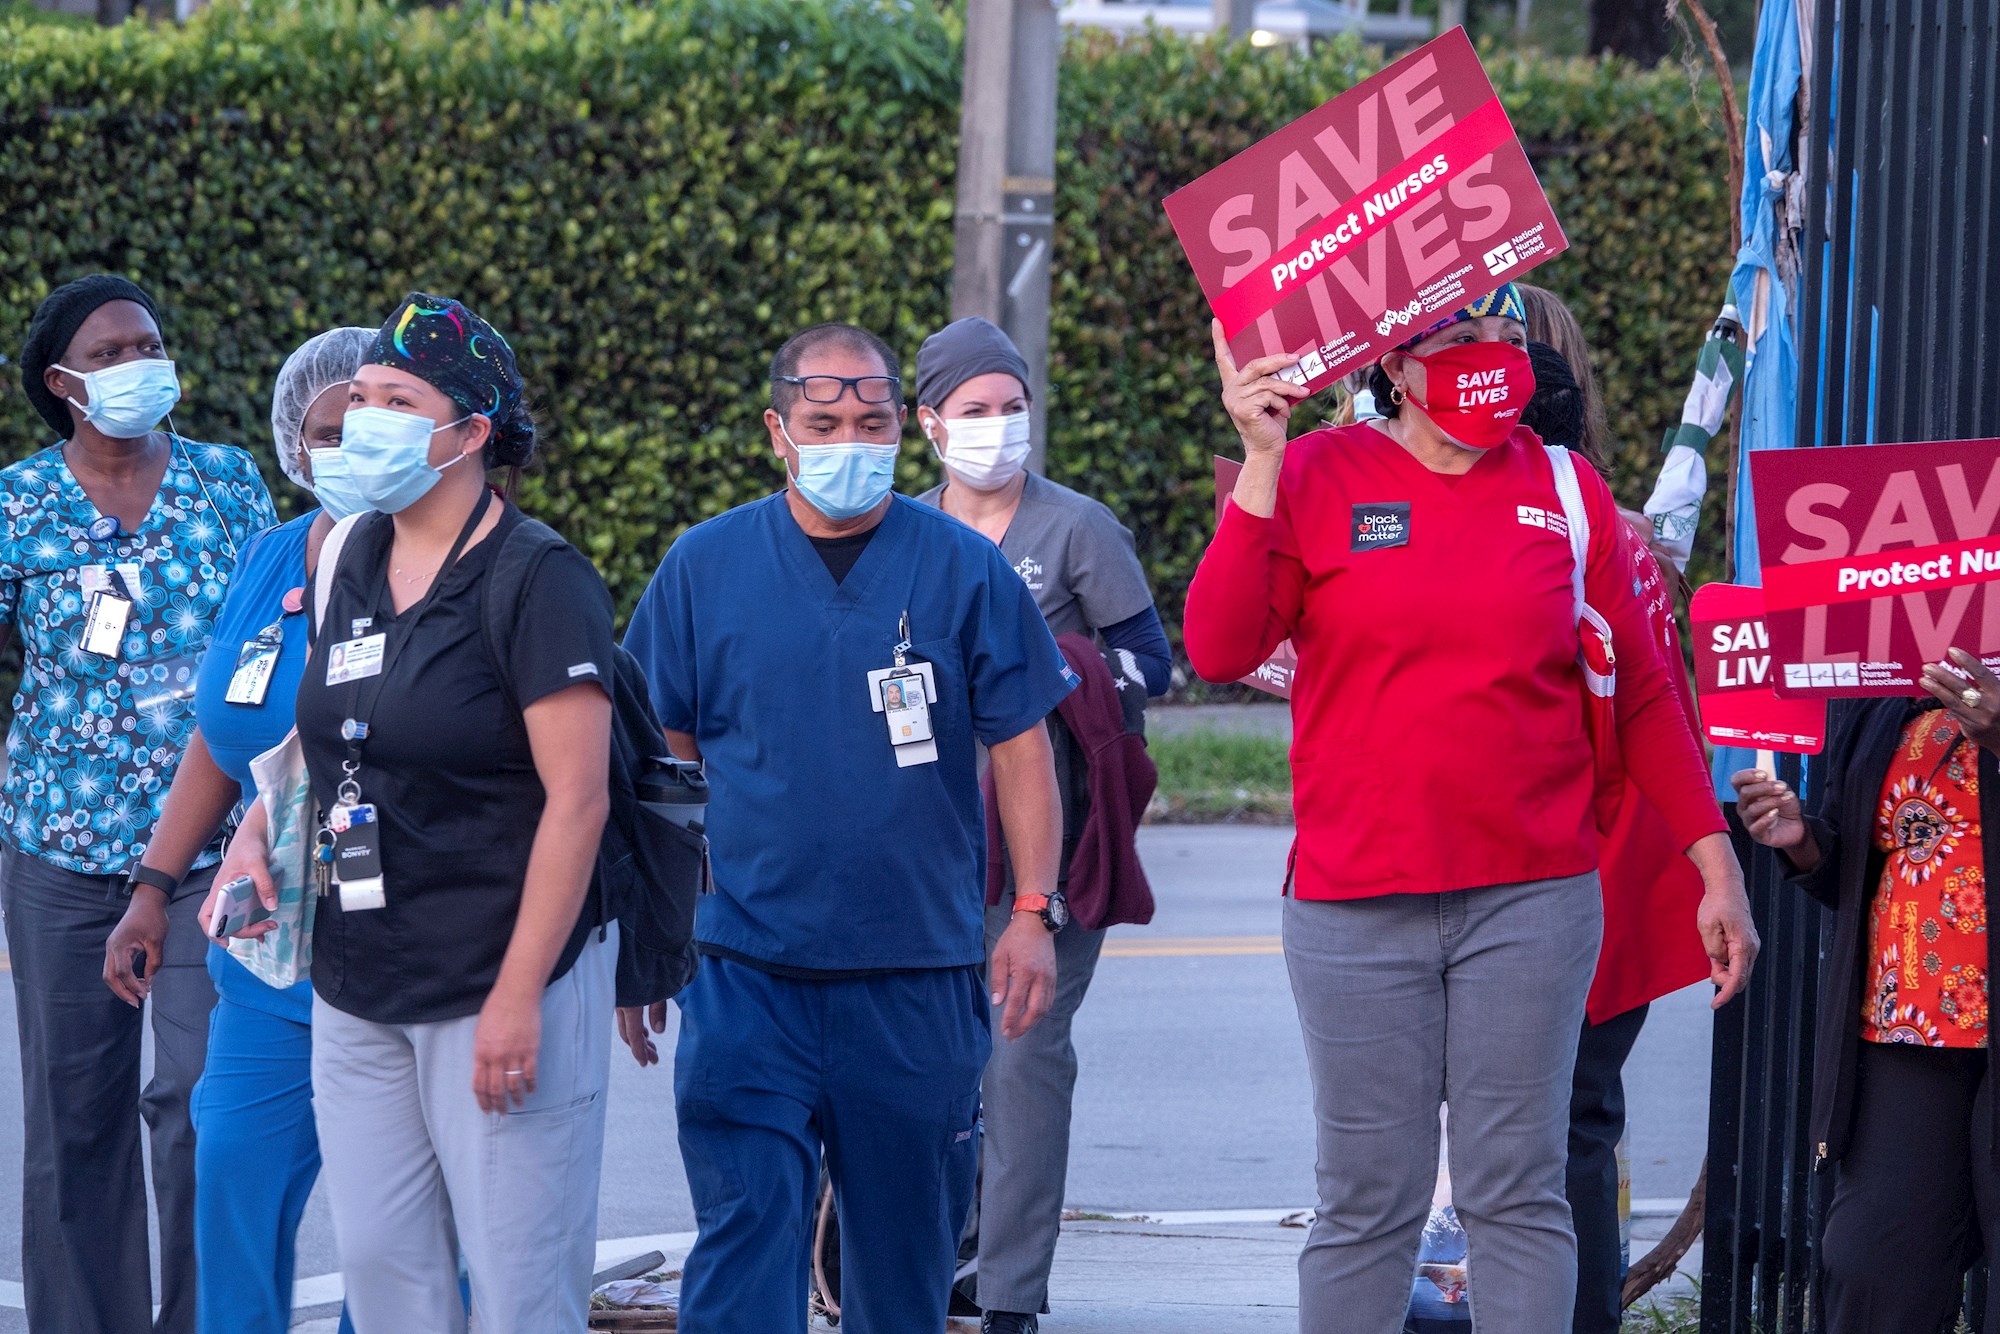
(1877, 559)
(1733, 675)
(1360, 223)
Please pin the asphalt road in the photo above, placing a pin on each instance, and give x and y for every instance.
(1193, 1094)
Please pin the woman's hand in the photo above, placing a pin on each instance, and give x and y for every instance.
(1728, 933)
(248, 854)
(143, 927)
(1976, 706)
(504, 1048)
(633, 1021)
(1258, 402)
(1771, 813)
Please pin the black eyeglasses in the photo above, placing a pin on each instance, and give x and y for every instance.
(832, 388)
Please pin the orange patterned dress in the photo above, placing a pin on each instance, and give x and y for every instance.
(1927, 929)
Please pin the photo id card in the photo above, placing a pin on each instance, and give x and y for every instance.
(129, 574)
(357, 857)
(251, 680)
(354, 659)
(104, 617)
(903, 696)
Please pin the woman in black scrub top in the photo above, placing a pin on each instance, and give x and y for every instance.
(463, 993)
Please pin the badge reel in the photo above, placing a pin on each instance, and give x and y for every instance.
(903, 694)
(352, 839)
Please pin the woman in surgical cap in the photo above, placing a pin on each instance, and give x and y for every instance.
(256, 1150)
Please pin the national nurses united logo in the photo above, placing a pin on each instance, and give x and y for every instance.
(1381, 526)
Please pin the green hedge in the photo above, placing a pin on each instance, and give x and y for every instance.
(647, 199)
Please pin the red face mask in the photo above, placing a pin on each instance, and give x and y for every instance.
(1477, 391)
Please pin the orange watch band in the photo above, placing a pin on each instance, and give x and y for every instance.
(1031, 902)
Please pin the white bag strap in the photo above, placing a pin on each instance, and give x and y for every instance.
(329, 564)
(1570, 492)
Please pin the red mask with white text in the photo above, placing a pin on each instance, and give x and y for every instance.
(1477, 391)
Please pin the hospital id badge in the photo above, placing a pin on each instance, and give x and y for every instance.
(357, 857)
(353, 659)
(105, 615)
(251, 680)
(903, 696)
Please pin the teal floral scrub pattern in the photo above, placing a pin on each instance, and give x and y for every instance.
(95, 740)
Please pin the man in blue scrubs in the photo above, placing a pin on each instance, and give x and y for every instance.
(839, 1005)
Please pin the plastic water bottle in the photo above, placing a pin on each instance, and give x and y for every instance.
(675, 790)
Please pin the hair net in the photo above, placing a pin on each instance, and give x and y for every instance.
(322, 362)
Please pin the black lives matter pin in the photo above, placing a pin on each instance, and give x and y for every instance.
(1381, 526)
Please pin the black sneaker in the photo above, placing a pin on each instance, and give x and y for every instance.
(1008, 1322)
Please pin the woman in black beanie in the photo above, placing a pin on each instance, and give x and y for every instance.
(119, 542)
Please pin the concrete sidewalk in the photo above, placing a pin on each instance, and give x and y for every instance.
(1226, 1272)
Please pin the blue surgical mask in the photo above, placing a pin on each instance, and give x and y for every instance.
(129, 399)
(333, 484)
(845, 480)
(388, 456)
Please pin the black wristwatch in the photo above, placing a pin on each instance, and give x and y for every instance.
(1053, 909)
(146, 875)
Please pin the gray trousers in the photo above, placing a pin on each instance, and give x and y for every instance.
(85, 1260)
(1025, 1156)
(416, 1173)
(1472, 998)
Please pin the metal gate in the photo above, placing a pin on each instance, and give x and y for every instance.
(1897, 341)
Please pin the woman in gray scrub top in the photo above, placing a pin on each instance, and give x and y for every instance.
(1079, 562)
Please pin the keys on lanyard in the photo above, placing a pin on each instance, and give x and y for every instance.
(350, 844)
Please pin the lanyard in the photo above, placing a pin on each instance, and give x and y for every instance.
(361, 703)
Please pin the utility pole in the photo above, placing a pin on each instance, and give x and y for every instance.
(1235, 17)
(1005, 229)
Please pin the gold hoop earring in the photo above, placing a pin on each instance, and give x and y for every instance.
(1396, 395)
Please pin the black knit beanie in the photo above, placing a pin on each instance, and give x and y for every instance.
(56, 321)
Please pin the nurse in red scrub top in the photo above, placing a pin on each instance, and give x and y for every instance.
(1442, 914)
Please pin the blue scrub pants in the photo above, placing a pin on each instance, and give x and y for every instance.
(883, 1071)
(256, 1157)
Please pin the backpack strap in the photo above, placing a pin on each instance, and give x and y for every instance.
(522, 548)
(329, 565)
(1570, 492)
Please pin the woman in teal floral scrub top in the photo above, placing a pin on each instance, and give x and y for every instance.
(118, 544)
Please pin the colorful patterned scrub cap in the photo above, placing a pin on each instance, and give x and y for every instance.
(1505, 302)
(448, 347)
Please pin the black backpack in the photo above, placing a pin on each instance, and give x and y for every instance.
(650, 868)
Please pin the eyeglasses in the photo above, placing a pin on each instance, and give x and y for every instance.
(832, 388)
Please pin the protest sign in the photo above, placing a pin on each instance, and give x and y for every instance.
(1877, 559)
(1733, 675)
(1364, 221)
(1275, 676)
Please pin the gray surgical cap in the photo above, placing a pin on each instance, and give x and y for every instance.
(322, 362)
(961, 351)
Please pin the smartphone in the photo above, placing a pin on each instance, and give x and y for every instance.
(236, 907)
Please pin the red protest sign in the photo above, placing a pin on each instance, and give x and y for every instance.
(1360, 223)
(1877, 559)
(1275, 676)
(1733, 674)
